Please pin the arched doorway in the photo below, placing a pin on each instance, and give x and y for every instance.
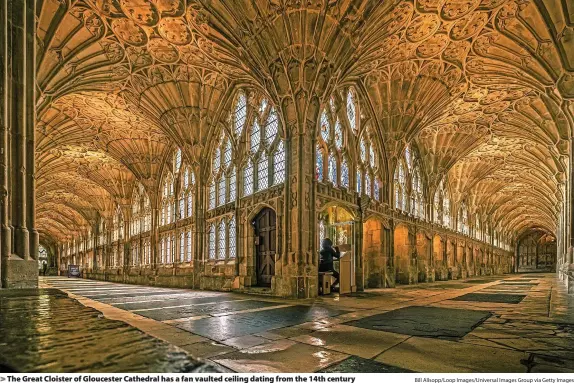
(265, 226)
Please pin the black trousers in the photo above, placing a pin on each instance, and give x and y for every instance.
(328, 268)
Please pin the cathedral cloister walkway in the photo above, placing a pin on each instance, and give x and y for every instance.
(517, 323)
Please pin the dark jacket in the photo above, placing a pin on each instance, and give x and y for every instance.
(328, 253)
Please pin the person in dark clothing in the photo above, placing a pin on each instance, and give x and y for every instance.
(326, 256)
(44, 268)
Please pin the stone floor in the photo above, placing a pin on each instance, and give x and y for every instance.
(518, 323)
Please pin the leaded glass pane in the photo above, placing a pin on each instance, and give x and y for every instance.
(279, 164)
(188, 245)
(177, 160)
(358, 181)
(232, 245)
(216, 160)
(221, 237)
(181, 207)
(319, 164)
(332, 170)
(377, 190)
(255, 137)
(371, 156)
(408, 157)
(211, 242)
(227, 154)
(325, 126)
(240, 114)
(263, 173)
(363, 150)
(212, 195)
(248, 179)
(344, 174)
(232, 185)
(272, 127)
(221, 191)
(182, 247)
(186, 179)
(338, 135)
(367, 184)
(351, 110)
(189, 204)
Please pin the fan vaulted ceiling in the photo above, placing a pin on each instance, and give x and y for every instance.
(483, 87)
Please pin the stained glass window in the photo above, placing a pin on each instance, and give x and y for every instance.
(181, 207)
(377, 190)
(358, 178)
(363, 150)
(325, 126)
(319, 164)
(367, 184)
(344, 174)
(332, 170)
(371, 156)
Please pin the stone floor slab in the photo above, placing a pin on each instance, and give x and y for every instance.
(280, 356)
(425, 321)
(45, 331)
(222, 328)
(434, 355)
(352, 340)
(356, 364)
(491, 298)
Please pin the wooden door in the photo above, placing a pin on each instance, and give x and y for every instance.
(265, 245)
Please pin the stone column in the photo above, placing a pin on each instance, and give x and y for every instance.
(19, 268)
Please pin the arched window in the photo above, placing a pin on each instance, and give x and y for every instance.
(400, 187)
(366, 168)
(463, 218)
(239, 113)
(477, 228)
(441, 205)
(118, 225)
(211, 242)
(223, 179)
(187, 182)
(177, 158)
(135, 228)
(222, 238)
(417, 196)
(167, 200)
(266, 155)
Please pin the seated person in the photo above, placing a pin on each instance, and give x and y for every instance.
(326, 256)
